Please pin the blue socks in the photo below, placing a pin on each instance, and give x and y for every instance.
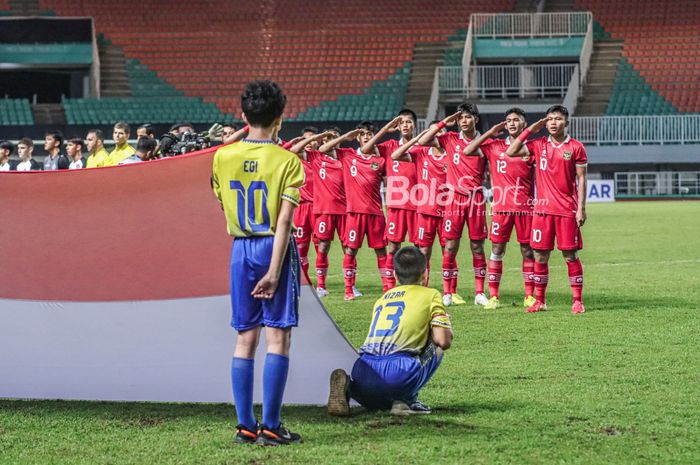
(242, 376)
(274, 382)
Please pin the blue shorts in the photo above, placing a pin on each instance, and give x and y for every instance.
(250, 260)
(377, 381)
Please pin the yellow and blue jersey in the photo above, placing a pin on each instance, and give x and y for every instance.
(402, 319)
(250, 180)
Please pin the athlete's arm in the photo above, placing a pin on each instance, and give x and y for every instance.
(402, 152)
(391, 126)
(441, 337)
(473, 147)
(300, 143)
(331, 144)
(517, 147)
(581, 191)
(266, 287)
(429, 138)
(238, 135)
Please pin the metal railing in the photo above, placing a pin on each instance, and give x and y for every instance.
(637, 130)
(573, 91)
(498, 25)
(508, 81)
(660, 183)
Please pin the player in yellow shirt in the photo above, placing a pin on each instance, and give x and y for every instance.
(257, 183)
(408, 334)
(98, 156)
(122, 150)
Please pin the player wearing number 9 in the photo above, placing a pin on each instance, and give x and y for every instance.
(409, 331)
(257, 183)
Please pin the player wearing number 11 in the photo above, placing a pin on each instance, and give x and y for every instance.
(257, 183)
(408, 334)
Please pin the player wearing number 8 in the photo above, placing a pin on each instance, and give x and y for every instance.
(404, 347)
(257, 183)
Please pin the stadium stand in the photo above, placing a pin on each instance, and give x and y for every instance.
(662, 49)
(315, 50)
(15, 112)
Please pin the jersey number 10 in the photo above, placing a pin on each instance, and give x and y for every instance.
(246, 205)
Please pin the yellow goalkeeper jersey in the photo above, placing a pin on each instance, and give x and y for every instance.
(251, 179)
(99, 158)
(119, 154)
(402, 319)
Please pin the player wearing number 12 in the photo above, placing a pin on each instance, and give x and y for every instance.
(257, 183)
(404, 347)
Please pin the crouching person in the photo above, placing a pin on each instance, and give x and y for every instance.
(408, 334)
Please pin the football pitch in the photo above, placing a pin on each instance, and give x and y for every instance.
(619, 384)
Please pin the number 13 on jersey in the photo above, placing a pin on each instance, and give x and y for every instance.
(390, 315)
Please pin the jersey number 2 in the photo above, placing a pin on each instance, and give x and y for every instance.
(246, 205)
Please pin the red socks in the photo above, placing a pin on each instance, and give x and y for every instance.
(541, 277)
(385, 265)
(479, 262)
(576, 278)
(494, 271)
(304, 257)
(528, 276)
(321, 269)
(349, 270)
(449, 273)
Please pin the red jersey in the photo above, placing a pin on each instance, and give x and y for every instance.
(431, 170)
(306, 192)
(398, 174)
(363, 175)
(556, 174)
(329, 188)
(512, 178)
(464, 173)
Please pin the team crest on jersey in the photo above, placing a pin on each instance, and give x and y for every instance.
(502, 155)
(375, 166)
(567, 155)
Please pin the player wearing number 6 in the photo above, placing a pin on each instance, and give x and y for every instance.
(560, 209)
(257, 183)
(404, 347)
(512, 182)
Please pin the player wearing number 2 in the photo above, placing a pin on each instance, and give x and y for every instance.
(512, 181)
(560, 210)
(257, 183)
(409, 332)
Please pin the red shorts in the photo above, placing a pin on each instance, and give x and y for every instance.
(357, 225)
(304, 222)
(546, 227)
(469, 209)
(399, 222)
(427, 228)
(502, 226)
(326, 223)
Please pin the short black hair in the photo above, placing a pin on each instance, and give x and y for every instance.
(144, 144)
(174, 127)
(558, 109)
(99, 135)
(335, 129)
(77, 140)
(312, 129)
(409, 264)
(150, 130)
(409, 112)
(7, 145)
(517, 110)
(56, 135)
(263, 102)
(470, 108)
(367, 126)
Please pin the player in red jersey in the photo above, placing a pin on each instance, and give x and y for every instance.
(304, 219)
(512, 181)
(560, 209)
(464, 177)
(400, 179)
(430, 194)
(363, 175)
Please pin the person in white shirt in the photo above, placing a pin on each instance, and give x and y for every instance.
(74, 149)
(25, 148)
(6, 149)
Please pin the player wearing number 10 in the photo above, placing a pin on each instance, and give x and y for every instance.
(257, 183)
(404, 346)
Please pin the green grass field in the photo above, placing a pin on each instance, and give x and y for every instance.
(617, 385)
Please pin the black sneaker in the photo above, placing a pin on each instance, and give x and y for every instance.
(245, 435)
(276, 437)
(338, 398)
(419, 408)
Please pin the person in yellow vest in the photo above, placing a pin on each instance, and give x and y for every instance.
(97, 154)
(122, 150)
